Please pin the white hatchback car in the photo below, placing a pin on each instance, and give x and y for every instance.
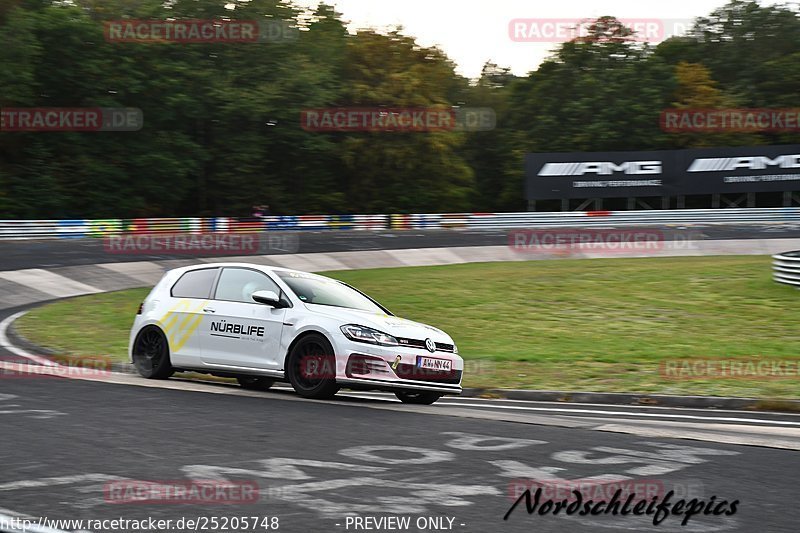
(260, 324)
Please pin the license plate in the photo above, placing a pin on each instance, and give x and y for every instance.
(432, 363)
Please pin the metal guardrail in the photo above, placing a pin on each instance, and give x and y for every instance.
(45, 229)
(783, 215)
(39, 229)
(786, 268)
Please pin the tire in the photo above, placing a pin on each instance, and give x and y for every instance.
(417, 397)
(315, 347)
(151, 354)
(255, 382)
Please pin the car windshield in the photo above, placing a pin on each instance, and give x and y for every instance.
(319, 290)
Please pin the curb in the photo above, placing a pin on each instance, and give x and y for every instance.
(641, 399)
(18, 339)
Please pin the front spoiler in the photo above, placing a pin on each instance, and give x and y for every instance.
(390, 385)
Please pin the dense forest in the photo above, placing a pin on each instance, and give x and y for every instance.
(222, 125)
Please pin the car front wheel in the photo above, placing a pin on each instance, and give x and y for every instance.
(417, 397)
(311, 368)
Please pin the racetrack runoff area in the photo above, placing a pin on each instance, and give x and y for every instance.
(712, 325)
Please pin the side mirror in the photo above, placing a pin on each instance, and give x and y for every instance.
(267, 298)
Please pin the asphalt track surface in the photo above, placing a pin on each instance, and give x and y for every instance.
(319, 466)
(66, 443)
(73, 252)
(316, 463)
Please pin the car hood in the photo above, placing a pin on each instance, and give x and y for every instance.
(393, 325)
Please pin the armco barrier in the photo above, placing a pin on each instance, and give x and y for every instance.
(45, 229)
(786, 268)
(42, 229)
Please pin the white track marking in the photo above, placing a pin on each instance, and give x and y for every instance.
(628, 413)
(39, 413)
(453, 400)
(6, 344)
(9, 512)
(275, 468)
(769, 441)
(54, 481)
(48, 282)
(448, 399)
(470, 441)
(419, 456)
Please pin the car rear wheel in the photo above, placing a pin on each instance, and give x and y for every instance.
(255, 382)
(417, 397)
(311, 368)
(151, 354)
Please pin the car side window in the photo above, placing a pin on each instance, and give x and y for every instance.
(239, 284)
(195, 284)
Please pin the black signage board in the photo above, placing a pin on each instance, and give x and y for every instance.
(563, 175)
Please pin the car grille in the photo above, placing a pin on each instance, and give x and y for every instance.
(365, 364)
(412, 372)
(416, 343)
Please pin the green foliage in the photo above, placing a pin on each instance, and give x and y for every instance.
(222, 121)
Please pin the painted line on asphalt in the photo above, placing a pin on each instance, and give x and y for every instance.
(629, 413)
(709, 410)
(741, 439)
(6, 344)
(452, 400)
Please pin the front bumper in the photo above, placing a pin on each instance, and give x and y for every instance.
(395, 367)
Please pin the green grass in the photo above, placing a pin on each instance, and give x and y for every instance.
(599, 324)
(96, 325)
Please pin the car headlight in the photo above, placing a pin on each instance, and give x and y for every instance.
(368, 335)
(455, 348)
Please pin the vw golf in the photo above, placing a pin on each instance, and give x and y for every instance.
(261, 324)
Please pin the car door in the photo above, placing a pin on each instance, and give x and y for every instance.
(189, 296)
(238, 332)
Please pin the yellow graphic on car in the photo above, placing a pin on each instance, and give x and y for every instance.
(180, 328)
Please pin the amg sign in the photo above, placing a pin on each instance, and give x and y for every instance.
(604, 168)
(739, 170)
(662, 173)
(595, 175)
(729, 164)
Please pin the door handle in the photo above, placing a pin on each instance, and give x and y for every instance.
(209, 310)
